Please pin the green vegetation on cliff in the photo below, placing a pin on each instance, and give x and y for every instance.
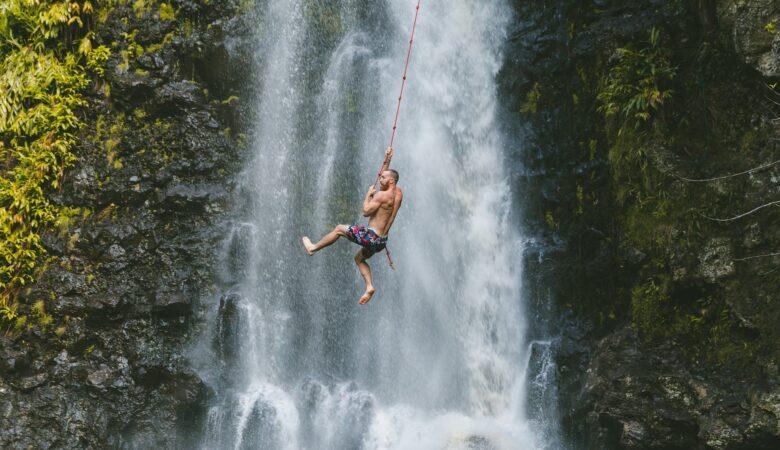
(637, 86)
(644, 111)
(47, 60)
(671, 117)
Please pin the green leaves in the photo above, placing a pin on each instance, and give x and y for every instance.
(41, 81)
(637, 85)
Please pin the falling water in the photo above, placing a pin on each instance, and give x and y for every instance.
(438, 358)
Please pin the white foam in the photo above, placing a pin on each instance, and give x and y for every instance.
(437, 360)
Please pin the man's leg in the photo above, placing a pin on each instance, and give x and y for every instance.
(328, 239)
(365, 271)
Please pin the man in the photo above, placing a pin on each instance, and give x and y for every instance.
(381, 208)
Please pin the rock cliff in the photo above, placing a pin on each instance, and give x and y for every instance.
(161, 139)
(650, 135)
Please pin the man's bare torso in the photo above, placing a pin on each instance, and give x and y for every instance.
(383, 218)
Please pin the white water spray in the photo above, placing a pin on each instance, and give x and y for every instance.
(437, 359)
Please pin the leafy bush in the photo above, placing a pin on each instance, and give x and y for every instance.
(46, 55)
(638, 84)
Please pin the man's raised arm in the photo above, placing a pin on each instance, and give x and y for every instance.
(388, 157)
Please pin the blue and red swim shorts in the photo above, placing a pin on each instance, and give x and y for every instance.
(366, 237)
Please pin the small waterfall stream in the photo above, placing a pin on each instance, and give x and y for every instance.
(439, 358)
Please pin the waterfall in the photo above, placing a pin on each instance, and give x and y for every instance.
(438, 359)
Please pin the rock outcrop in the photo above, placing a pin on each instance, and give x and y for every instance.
(640, 397)
(665, 318)
(156, 158)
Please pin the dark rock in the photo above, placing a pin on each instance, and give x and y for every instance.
(753, 36)
(133, 88)
(614, 389)
(115, 252)
(228, 327)
(27, 383)
(178, 94)
(110, 371)
(171, 303)
(100, 378)
(636, 398)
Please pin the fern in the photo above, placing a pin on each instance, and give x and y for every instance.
(44, 69)
(637, 85)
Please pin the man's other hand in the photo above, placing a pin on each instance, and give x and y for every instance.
(389, 153)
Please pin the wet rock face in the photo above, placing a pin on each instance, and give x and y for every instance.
(615, 389)
(755, 26)
(716, 261)
(639, 397)
(156, 161)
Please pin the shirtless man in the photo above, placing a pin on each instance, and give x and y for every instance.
(381, 208)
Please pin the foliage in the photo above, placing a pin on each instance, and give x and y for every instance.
(531, 104)
(660, 217)
(648, 305)
(326, 16)
(47, 54)
(638, 84)
(166, 12)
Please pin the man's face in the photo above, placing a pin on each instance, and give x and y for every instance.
(385, 179)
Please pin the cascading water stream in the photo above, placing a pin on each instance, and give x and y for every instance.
(438, 358)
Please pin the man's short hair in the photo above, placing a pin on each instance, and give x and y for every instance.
(395, 174)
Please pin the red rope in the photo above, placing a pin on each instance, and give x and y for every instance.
(406, 69)
(398, 109)
(403, 84)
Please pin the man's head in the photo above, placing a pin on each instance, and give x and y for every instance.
(388, 178)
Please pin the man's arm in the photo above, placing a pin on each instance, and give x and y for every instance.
(388, 157)
(370, 203)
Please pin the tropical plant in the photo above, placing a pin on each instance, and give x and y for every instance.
(46, 57)
(638, 84)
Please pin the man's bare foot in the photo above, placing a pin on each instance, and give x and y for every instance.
(367, 296)
(308, 245)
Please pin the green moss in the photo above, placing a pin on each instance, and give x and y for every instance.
(166, 12)
(771, 27)
(648, 310)
(531, 104)
(550, 220)
(154, 48)
(38, 312)
(140, 7)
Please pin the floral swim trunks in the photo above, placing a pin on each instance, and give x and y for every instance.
(367, 238)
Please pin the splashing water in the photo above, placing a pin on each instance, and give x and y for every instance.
(438, 358)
